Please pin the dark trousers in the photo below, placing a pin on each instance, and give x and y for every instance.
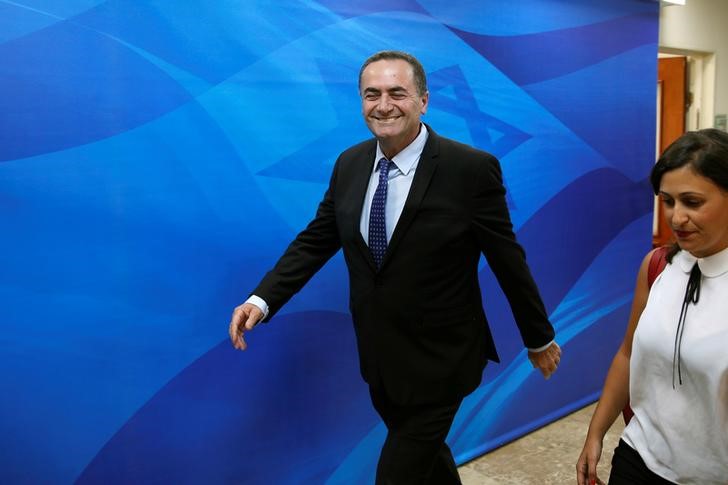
(415, 452)
(628, 468)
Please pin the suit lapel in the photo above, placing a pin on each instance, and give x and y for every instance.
(362, 175)
(423, 175)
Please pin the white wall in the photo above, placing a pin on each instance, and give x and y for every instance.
(701, 26)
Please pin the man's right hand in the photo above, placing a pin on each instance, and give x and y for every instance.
(245, 317)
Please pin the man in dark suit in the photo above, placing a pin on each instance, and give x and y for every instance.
(412, 212)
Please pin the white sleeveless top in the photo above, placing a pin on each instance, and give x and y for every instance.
(682, 433)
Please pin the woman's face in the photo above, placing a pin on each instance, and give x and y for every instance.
(697, 211)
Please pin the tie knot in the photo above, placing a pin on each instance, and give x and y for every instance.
(383, 165)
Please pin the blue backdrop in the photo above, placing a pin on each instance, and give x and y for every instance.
(156, 157)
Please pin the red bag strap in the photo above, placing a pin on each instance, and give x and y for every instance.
(658, 261)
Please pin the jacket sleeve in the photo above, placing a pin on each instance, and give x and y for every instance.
(506, 258)
(308, 252)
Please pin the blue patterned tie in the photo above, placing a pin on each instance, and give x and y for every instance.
(377, 225)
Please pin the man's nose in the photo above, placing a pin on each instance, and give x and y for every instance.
(384, 103)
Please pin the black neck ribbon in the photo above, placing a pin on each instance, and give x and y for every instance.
(692, 295)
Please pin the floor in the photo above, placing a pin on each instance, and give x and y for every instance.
(545, 457)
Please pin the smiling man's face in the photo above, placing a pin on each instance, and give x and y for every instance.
(391, 104)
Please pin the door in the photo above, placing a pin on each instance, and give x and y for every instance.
(672, 104)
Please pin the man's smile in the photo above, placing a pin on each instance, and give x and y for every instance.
(385, 119)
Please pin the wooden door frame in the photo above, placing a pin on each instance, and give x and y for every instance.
(672, 84)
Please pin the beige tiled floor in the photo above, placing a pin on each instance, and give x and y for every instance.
(545, 457)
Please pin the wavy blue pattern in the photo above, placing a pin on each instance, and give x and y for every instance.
(231, 35)
(608, 98)
(36, 99)
(285, 416)
(17, 21)
(158, 157)
(504, 18)
(53, 8)
(563, 51)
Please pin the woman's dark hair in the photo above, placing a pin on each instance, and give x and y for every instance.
(704, 151)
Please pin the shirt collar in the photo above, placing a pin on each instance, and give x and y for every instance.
(711, 266)
(406, 160)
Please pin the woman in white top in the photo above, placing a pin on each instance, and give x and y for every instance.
(672, 367)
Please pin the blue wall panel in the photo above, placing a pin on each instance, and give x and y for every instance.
(156, 158)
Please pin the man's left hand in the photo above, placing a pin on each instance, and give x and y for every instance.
(547, 360)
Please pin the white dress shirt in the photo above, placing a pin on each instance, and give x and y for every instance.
(401, 174)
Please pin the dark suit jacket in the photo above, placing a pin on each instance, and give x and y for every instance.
(421, 330)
